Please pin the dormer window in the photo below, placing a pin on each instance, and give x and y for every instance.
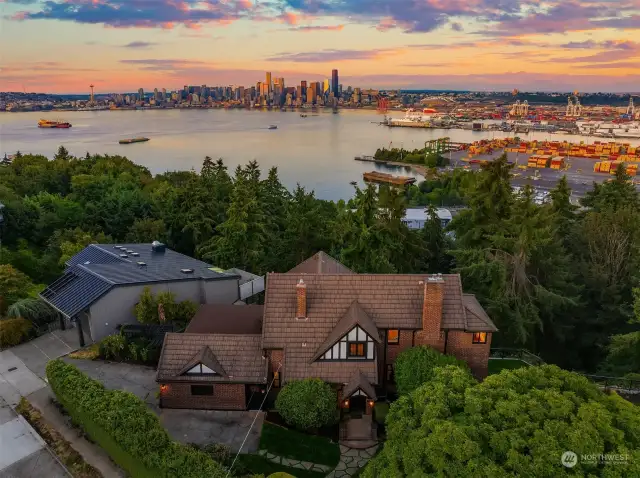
(200, 369)
(356, 345)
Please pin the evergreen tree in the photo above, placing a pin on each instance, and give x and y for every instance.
(489, 203)
(436, 244)
(242, 239)
(62, 154)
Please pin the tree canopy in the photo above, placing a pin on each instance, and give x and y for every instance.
(556, 278)
(516, 423)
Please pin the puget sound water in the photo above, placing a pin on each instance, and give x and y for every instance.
(316, 151)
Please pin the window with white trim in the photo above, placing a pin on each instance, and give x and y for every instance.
(355, 345)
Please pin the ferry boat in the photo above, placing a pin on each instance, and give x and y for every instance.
(133, 140)
(273, 126)
(53, 124)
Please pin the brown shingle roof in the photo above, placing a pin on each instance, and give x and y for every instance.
(204, 357)
(321, 263)
(393, 301)
(227, 319)
(355, 315)
(240, 357)
(359, 381)
(477, 318)
(297, 366)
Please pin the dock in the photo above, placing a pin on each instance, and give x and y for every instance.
(385, 178)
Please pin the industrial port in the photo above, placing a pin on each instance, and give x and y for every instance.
(538, 163)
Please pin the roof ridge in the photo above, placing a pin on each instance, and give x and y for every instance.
(111, 253)
(83, 268)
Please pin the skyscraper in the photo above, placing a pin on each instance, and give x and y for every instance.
(141, 94)
(325, 87)
(269, 84)
(334, 82)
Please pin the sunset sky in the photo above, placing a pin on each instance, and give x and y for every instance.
(62, 46)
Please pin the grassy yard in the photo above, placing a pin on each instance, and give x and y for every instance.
(259, 465)
(299, 446)
(496, 365)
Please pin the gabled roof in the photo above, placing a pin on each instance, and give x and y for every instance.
(320, 263)
(75, 291)
(355, 315)
(105, 260)
(205, 357)
(98, 267)
(238, 355)
(359, 381)
(477, 318)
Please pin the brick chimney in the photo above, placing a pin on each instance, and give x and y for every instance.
(301, 292)
(432, 313)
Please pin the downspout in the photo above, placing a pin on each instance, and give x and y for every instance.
(446, 340)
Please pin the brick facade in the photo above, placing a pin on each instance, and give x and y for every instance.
(459, 344)
(405, 342)
(226, 396)
(431, 333)
(276, 364)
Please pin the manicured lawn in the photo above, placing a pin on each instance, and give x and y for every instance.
(299, 446)
(259, 465)
(496, 365)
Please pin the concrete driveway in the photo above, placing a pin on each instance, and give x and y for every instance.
(36, 353)
(186, 426)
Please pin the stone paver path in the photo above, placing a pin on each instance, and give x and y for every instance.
(351, 460)
(301, 465)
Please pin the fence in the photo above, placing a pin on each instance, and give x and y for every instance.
(251, 288)
(53, 326)
(620, 384)
(520, 354)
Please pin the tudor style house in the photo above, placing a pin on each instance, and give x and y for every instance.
(321, 320)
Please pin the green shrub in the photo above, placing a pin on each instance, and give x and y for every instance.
(218, 452)
(415, 366)
(380, 411)
(14, 331)
(122, 424)
(309, 403)
(117, 347)
(114, 347)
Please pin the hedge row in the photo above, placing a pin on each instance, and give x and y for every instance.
(122, 424)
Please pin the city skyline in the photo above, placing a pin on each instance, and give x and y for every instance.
(118, 45)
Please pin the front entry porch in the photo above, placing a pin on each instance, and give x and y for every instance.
(357, 428)
(359, 433)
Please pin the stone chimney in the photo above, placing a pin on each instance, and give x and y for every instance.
(431, 333)
(301, 292)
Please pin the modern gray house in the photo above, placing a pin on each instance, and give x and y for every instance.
(103, 283)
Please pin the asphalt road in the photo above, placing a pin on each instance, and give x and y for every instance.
(580, 174)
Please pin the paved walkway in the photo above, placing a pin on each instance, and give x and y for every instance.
(301, 465)
(351, 460)
(23, 453)
(91, 453)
